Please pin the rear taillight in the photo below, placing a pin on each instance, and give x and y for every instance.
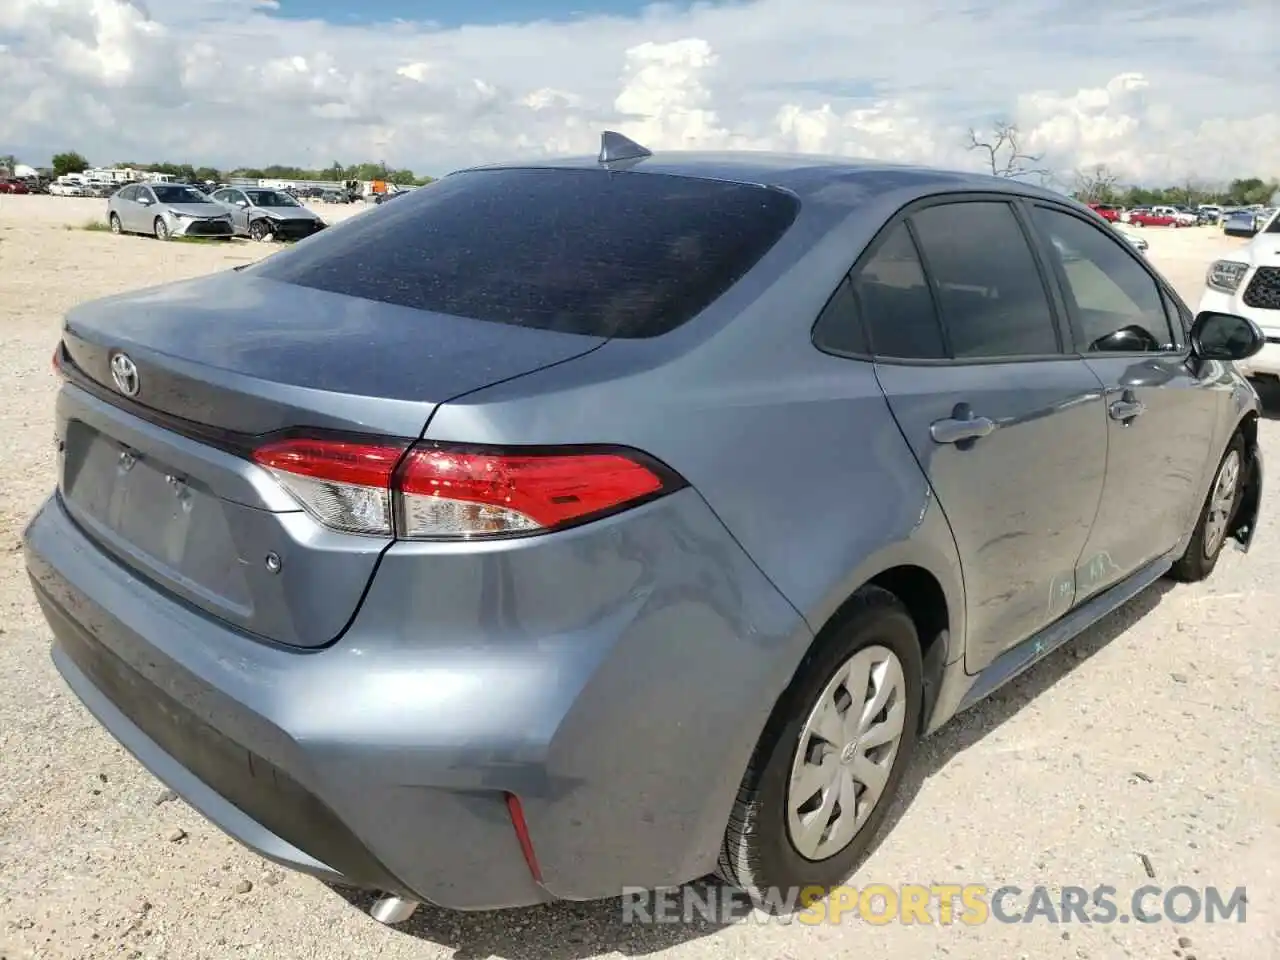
(57, 360)
(346, 486)
(432, 491)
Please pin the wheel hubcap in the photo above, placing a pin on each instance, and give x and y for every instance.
(1221, 501)
(846, 750)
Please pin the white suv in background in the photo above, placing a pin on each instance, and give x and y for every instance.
(1247, 283)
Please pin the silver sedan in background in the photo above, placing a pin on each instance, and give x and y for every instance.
(265, 214)
(166, 210)
(1138, 243)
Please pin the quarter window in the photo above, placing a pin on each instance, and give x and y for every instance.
(990, 293)
(838, 329)
(1118, 303)
(893, 299)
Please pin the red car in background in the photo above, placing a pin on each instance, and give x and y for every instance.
(13, 186)
(1148, 218)
(1106, 211)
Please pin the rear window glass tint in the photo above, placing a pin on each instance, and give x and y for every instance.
(589, 252)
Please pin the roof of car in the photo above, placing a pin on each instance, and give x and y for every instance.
(807, 176)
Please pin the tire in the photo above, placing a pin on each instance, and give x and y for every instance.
(760, 850)
(160, 228)
(113, 222)
(260, 231)
(1220, 505)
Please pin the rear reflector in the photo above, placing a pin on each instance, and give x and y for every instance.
(516, 812)
(433, 491)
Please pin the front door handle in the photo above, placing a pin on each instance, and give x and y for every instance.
(1126, 408)
(960, 429)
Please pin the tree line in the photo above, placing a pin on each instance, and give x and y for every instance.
(1002, 153)
(73, 162)
(1000, 149)
(1098, 185)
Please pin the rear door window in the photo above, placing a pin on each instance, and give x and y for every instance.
(990, 292)
(586, 251)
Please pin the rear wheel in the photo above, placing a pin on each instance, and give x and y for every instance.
(1219, 510)
(832, 755)
(161, 229)
(113, 222)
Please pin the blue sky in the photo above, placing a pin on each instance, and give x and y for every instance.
(453, 13)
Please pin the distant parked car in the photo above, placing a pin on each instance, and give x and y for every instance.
(13, 186)
(66, 188)
(264, 214)
(1138, 243)
(1106, 211)
(166, 210)
(1240, 223)
(1153, 217)
(1247, 283)
(335, 196)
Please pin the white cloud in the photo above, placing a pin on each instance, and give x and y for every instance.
(1158, 89)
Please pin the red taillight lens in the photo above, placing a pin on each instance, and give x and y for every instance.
(437, 492)
(57, 360)
(455, 494)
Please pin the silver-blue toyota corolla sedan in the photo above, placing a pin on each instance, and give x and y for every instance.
(612, 521)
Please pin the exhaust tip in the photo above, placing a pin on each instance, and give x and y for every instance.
(390, 910)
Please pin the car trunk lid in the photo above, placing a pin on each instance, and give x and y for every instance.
(162, 479)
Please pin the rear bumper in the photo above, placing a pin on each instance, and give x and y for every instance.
(614, 678)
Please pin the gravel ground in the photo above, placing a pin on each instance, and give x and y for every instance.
(1153, 736)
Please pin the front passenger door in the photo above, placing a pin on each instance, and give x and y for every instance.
(1162, 417)
(1007, 425)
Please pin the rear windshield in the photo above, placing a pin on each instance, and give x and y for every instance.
(594, 252)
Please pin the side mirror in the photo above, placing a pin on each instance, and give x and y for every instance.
(1225, 336)
(242, 203)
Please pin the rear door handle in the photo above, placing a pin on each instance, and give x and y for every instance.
(960, 429)
(1126, 408)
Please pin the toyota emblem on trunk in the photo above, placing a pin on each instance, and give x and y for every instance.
(125, 374)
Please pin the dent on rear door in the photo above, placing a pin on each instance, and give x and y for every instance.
(1020, 501)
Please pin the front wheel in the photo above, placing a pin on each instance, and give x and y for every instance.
(1219, 509)
(161, 229)
(831, 756)
(260, 231)
(113, 222)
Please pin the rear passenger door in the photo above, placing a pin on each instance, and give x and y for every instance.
(130, 210)
(1163, 418)
(1008, 425)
